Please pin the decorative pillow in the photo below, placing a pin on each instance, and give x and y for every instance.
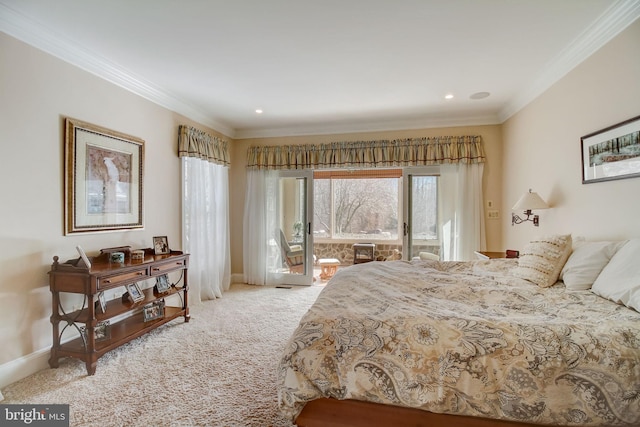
(428, 256)
(620, 279)
(542, 260)
(586, 262)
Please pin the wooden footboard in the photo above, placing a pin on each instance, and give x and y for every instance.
(353, 413)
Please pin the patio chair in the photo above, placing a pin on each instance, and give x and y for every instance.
(293, 255)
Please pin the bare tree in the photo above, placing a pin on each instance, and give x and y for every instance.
(363, 205)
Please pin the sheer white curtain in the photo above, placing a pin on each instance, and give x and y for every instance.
(260, 247)
(463, 228)
(205, 232)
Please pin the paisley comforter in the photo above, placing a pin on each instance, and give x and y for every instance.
(466, 338)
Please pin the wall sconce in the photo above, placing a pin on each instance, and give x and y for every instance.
(528, 202)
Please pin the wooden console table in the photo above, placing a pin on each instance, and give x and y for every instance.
(74, 277)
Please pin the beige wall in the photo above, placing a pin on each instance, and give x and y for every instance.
(538, 148)
(542, 148)
(491, 136)
(38, 90)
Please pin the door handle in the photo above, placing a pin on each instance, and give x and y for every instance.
(405, 228)
(309, 229)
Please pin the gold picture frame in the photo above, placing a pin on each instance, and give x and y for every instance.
(103, 179)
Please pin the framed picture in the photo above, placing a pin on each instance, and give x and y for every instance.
(162, 283)
(135, 294)
(102, 301)
(102, 331)
(161, 245)
(612, 153)
(153, 311)
(102, 179)
(84, 257)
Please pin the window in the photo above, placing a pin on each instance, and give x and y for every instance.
(424, 208)
(357, 205)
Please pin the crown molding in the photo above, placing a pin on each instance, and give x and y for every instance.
(613, 21)
(368, 126)
(27, 30)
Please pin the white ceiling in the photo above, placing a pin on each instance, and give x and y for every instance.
(324, 66)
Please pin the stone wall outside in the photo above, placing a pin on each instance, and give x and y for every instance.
(343, 252)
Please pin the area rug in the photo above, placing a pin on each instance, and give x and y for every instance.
(217, 370)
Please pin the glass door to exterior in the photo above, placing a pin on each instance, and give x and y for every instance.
(292, 247)
(420, 212)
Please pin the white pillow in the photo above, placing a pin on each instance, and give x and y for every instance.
(428, 256)
(620, 279)
(586, 262)
(542, 260)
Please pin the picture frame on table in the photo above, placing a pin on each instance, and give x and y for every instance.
(161, 245)
(103, 186)
(134, 292)
(162, 284)
(84, 257)
(102, 331)
(612, 153)
(102, 301)
(153, 311)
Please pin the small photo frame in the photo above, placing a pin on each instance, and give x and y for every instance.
(153, 311)
(102, 301)
(161, 245)
(102, 331)
(83, 255)
(135, 294)
(162, 283)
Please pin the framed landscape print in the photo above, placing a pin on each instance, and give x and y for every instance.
(103, 179)
(612, 153)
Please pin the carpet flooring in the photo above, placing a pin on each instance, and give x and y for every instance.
(217, 370)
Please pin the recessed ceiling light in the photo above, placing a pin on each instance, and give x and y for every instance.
(448, 96)
(258, 111)
(480, 95)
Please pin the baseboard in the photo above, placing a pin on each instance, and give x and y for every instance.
(22, 367)
(237, 278)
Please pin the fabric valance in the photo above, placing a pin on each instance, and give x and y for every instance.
(367, 154)
(193, 142)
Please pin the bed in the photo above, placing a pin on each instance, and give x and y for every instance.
(475, 343)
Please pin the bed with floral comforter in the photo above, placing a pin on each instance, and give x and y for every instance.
(466, 338)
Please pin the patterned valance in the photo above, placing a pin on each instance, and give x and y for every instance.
(193, 142)
(368, 154)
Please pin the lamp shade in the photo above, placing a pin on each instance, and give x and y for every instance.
(530, 201)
